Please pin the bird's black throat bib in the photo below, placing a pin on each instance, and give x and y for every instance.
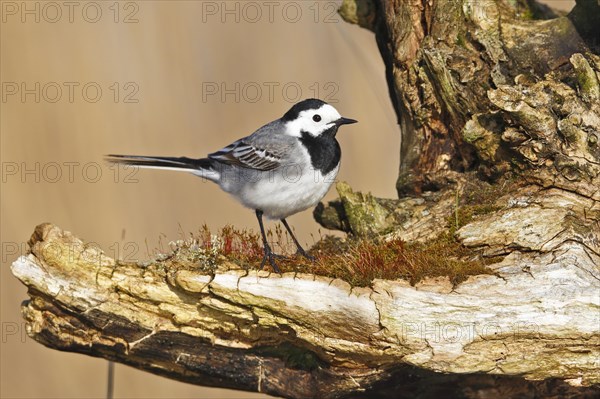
(324, 150)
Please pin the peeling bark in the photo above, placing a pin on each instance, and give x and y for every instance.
(492, 86)
(305, 336)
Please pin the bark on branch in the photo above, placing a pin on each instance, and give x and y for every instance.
(492, 86)
(305, 336)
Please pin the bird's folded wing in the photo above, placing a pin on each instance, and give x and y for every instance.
(250, 156)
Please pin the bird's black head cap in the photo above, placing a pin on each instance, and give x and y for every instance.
(304, 105)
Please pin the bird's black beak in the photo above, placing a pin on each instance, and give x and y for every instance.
(344, 121)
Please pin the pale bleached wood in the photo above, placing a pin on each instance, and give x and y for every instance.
(298, 335)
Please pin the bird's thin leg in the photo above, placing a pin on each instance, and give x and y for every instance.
(301, 250)
(267, 248)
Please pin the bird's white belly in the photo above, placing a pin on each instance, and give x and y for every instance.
(287, 191)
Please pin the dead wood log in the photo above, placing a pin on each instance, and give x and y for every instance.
(527, 330)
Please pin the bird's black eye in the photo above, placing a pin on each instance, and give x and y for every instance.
(317, 118)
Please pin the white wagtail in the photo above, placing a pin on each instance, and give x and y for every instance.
(283, 168)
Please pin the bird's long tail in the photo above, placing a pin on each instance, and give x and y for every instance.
(201, 167)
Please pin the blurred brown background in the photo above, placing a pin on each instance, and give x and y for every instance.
(84, 79)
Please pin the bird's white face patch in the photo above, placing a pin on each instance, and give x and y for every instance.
(313, 121)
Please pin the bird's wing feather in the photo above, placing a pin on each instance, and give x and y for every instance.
(263, 150)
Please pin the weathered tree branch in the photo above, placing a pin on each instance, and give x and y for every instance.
(301, 336)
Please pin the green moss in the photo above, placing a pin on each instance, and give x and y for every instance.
(366, 217)
(361, 12)
(356, 260)
(587, 79)
(528, 15)
(205, 251)
(361, 261)
(479, 199)
(529, 10)
(463, 215)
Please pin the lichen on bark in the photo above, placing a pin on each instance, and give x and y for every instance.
(464, 75)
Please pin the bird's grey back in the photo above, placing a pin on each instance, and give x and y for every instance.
(272, 138)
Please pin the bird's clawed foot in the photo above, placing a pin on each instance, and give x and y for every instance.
(270, 256)
(302, 252)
